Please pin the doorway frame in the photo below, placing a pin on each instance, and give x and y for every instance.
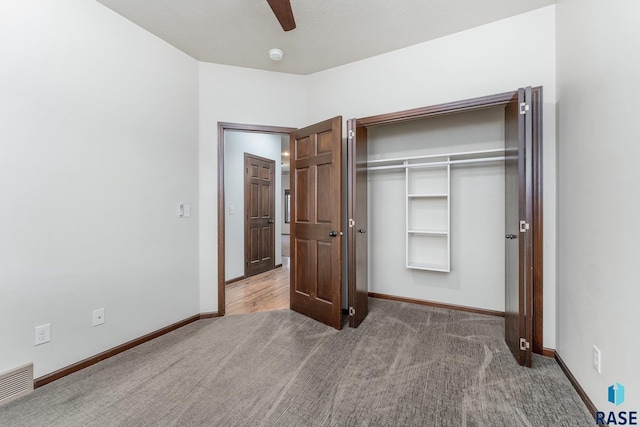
(496, 100)
(222, 127)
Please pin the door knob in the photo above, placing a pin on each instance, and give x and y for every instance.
(271, 221)
(362, 230)
(333, 233)
(511, 236)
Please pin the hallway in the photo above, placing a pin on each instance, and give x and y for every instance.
(267, 291)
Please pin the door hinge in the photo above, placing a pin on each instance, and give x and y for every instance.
(352, 311)
(352, 222)
(524, 344)
(524, 226)
(351, 134)
(524, 107)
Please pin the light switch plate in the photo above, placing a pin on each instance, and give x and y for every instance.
(184, 210)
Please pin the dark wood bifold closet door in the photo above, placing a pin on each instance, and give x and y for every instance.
(259, 210)
(358, 227)
(518, 221)
(316, 223)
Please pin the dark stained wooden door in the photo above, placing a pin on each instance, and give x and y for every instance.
(518, 232)
(357, 231)
(316, 222)
(259, 210)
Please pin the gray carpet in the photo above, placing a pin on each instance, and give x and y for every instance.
(407, 365)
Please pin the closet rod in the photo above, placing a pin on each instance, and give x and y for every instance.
(432, 156)
(437, 164)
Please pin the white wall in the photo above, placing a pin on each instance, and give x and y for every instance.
(99, 144)
(236, 144)
(237, 95)
(100, 123)
(477, 211)
(493, 58)
(598, 176)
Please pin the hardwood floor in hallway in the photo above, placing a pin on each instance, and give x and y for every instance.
(267, 291)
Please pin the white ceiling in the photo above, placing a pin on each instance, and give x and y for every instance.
(329, 32)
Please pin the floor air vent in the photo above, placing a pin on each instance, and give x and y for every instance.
(16, 383)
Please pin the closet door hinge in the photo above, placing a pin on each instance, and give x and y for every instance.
(351, 134)
(524, 107)
(524, 226)
(352, 311)
(524, 344)
(352, 222)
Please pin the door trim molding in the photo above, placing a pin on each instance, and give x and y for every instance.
(538, 226)
(496, 100)
(223, 126)
(438, 110)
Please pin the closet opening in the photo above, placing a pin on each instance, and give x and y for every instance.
(448, 184)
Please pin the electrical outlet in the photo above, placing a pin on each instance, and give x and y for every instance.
(42, 334)
(597, 359)
(98, 316)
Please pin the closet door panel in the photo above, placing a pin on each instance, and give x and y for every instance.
(358, 223)
(518, 284)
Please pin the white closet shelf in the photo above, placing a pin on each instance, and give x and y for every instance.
(452, 156)
(430, 267)
(428, 196)
(427, 200)
(437, 160)
(429, 232)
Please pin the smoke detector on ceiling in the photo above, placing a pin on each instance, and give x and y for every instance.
(276, 54)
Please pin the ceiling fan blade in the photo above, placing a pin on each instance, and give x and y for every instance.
(282, 10)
